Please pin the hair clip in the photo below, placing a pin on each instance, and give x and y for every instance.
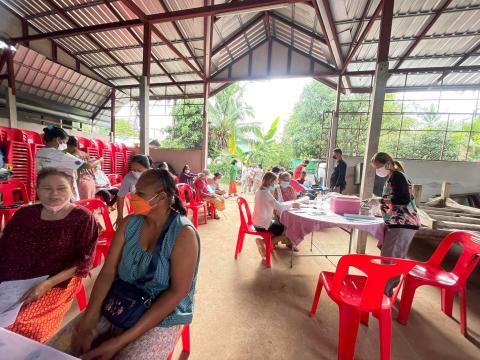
(50, 127)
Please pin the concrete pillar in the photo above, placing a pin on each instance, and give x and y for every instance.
(373, 138)
(11, 107)
(112, 116)
(332, 140)
(376, 112)
(144, 117)
(11, 99)
(206, 92)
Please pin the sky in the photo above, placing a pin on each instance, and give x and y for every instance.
(272, 98)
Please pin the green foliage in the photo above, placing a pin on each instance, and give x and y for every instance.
(124, 129)
(186, 131)
(229, 119)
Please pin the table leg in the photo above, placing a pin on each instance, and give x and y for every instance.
(350, 242)
(291, 256)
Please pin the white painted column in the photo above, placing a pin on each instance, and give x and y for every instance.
(144, 114)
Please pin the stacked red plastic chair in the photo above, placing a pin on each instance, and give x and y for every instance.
(105, 152)
(452, 282)
(358, 295)
(120, 160)
(36, 142)
(14, 194)
(18, 153)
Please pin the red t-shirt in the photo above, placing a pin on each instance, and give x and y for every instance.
(298, 171)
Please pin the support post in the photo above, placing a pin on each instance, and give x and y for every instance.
(145, 90)
(112, 116)
(376, 111)
(445, 194)
(332, 140)
(207, 44)
(417, 194)
(11, 98)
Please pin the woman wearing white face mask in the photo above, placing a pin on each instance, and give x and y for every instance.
(138, 164)
(56, 239)
(54, 155)
(398, 208)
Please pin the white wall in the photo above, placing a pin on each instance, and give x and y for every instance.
(464, 176)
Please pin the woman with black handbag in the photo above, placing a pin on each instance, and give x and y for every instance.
(145, 290)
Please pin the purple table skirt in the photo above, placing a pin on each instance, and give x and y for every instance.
(300, 223)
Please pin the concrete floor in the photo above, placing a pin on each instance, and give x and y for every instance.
(245, 311)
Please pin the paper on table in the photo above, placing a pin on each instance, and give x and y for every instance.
(10, 294)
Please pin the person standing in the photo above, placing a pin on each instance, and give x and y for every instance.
(232, 187)
(337, 180)
(399, 210)
(257, 177)
(298, 170)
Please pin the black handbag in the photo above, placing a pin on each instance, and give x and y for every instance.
(125, 303)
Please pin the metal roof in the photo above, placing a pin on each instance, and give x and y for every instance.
(115, 53)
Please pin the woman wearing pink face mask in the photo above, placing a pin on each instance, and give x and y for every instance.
(56, 239)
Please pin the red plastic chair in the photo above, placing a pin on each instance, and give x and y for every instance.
(357, 296)
(432, 273)
(211, 206)
(193, 205)
(9, 190)
(128, 205)
(185, 341)
(246, 227)
(81, 296)
(106, 235)
(115, 180)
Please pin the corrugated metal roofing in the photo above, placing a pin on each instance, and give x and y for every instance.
(117, 54)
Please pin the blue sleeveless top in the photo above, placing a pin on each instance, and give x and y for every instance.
(134, 264)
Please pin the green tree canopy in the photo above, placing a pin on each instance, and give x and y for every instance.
(186, 130)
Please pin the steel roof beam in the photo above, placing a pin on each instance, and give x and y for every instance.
(133, 63)
(426, 37)
(140, 43)
(138, 12)
(299, 28)
(73, 22)
(129, 47)
(362, 37)
(359, 27)
(152, 85)
(460, 61)
(421, 70)
(101, 79)
(219, 9)
(100, 108)
(417, 13)
(395, 89)
(69, 8)
(331, 32)
(424, 31)
(250, 24)
(182, 37)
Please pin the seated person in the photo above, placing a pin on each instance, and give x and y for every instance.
(203, 193)
(265, 205)
(213, 184)
(304, 181)
(155, 253)
(103, 187)
(58, 242)
(186, 176)
(285, 192)
(164, 166)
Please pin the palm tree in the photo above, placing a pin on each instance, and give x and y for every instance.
(261, 141)
(229, 115)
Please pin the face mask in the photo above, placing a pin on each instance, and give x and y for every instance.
(272, 188)
(136, 174)
(187, 171)
(140, 205)
(284, 184)
(62, 147)
(55, 209)
(382, 172)
(99, 167)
